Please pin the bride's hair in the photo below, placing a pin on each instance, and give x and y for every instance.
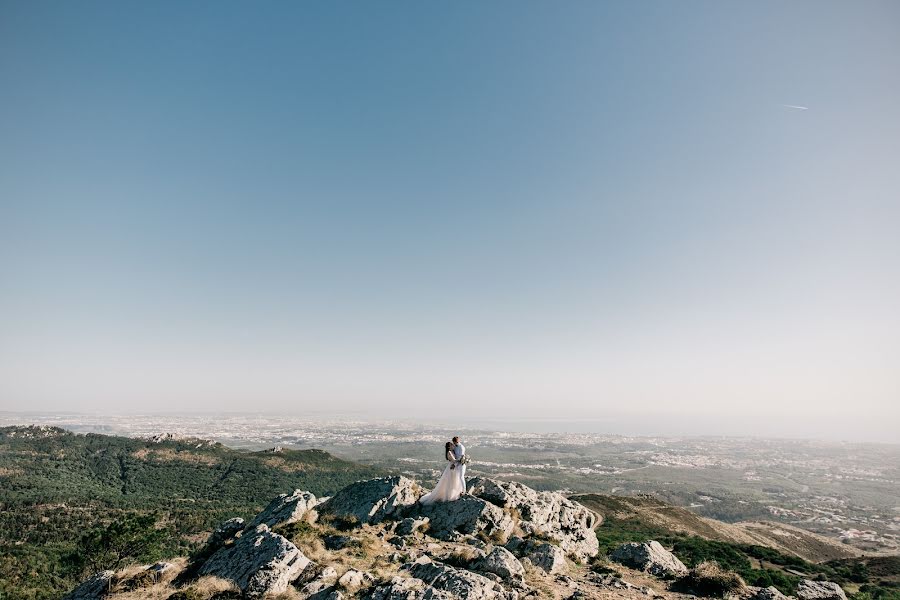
(447, 447)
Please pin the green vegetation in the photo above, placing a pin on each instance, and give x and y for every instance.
(72, 504)
(757, 565)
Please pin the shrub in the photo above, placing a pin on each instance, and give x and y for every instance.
(709, 579)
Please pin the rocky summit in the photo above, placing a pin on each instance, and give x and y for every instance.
(374, 541)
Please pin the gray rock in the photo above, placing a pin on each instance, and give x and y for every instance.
(409, 525)
(373, 501)
(316, 581)
(820, 590)
(259, 562)
(466, 516)
(93, 588)
(458, 583)
(286, 508)
(353, 580)
(761, 593)
(650, 557)
(501, 562)
(336, 542)
(406, 588)
(224, 532)
(547, 557)
(549, 514)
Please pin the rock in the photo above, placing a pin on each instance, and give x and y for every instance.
(501, 562)
(336, 542)
(373, 501)
(650, 557)
(285, 509)
(224, 532)
(316, 580)
(406, 588)
(468, 515)
(548, 513)
(259, 562)
(93, 588)
(761, 593)
(820, 590)
(547, 557)
(458, 583)
(409, 525)
(353, 580)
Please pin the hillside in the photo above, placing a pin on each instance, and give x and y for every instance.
(649, 513)
(57, 487)
(374, 540)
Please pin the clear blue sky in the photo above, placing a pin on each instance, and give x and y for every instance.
(586, 208)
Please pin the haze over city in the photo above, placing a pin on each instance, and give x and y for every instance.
(586, 216)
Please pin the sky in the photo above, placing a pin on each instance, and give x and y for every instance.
(675, 216)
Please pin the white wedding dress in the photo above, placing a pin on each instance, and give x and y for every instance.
(449, 487)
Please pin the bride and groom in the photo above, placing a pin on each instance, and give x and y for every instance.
(452, 483)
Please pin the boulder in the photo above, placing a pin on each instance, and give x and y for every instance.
(820, 590)
(762, 593)
(466, 516)
(650, 557)
(409, 525)
(406, 588)
(353, 580)
(93, 588)
(286, 508)
(372, 501)
(259, 562)
(502, 563)
(547, 557)
(458, 583)
(549, 514)
(316, 580)
(224, 532)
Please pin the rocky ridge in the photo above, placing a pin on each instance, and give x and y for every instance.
(372, 540)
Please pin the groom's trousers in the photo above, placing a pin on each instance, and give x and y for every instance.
(462, 476)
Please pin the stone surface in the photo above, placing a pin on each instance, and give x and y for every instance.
(286, 508)
(502, 563)
(549, 514)
(374, 500)
(820, 590)
(353, 580)
(650, 557)
(224, 532)
(547, 557)
(259, 562)
(93, 588)
(458, 583)
(468, 515)
(409, 525)
(406, 588)
(762, 593)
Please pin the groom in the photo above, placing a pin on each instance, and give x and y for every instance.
(458, 452)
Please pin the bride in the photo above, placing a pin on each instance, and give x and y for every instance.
(449, 487)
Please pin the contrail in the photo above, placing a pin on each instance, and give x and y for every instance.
(795, 107)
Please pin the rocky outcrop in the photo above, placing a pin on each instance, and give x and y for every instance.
(93, 588)
(547, 557)
(406, 588)
(353, 580)
(468, 515)
(224, 532)
(259, 562)
(458, 583)
(501, 562)
(762, 593)
(650, 557)
(286, 508)
(820, 590)
(548, 514)
(410, 526)
(373, 501)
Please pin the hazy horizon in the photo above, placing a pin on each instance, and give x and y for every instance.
(677, 216)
